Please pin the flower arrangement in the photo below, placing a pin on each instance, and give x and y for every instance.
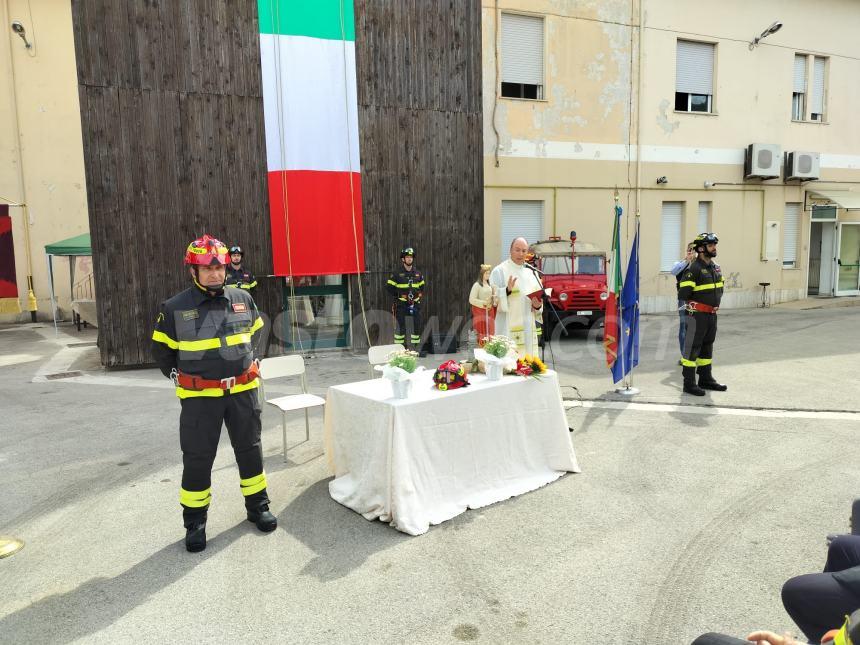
(530, 366)
(499, 346)
(405, 359)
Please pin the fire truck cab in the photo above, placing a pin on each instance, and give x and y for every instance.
(575, 273)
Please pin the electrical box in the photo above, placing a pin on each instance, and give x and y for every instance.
(770, 242)
(802, 165)
(762, 160)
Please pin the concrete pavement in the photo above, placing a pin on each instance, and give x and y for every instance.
(687, 517)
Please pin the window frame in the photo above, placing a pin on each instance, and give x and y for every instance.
(541, 88)
(687, 97)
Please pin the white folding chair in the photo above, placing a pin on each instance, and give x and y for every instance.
(379, 354)
(277, 367)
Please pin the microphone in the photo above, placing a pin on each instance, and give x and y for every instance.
(535, 269)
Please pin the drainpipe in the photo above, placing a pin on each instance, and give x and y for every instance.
(32, 304)
(639, 110)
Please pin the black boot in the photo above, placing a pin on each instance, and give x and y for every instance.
(690, 386)
(707, 381)
(195, 537)
(264, 520)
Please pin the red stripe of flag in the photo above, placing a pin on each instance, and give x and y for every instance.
(319, 214)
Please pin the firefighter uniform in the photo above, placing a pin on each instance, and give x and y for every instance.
(204, 341)
(240, 277)
(701, 286)
(407, 287)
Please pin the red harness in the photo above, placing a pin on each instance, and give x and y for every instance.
(191, 382)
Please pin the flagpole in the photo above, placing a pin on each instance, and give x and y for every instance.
(628, 389)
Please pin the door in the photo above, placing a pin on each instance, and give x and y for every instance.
(848, 259)
(316, 313)
(827, 266)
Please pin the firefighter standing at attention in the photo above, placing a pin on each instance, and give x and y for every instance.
(406, 285)
(238, 275)
(204, 341)
(701, 286)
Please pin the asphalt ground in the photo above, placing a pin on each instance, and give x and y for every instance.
(688, 516)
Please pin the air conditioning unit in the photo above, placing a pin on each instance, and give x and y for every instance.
(802, 165)
(761, 161)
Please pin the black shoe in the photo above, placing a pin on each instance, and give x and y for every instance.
(264, 520)
(692, 388)
(422, 354)
(713, 385)
(195, 538)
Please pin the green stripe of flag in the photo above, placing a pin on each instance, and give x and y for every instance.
(329, 19)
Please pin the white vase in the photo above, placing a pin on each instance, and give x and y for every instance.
(401, 388)
(494, 371)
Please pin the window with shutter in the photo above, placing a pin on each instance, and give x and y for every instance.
(670, 234)
(798, 91)
(704, 217)
(520, 218)
(694, 76)
(790, 234)
(522, 56)
(817, 98)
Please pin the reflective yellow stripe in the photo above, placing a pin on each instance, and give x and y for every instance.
(199, 345)
(256, 479)
(703, 361)
(703, 287)
(687, 363)
(246, 386)
(842, 637)
(195, 499)
(687, 283)
(258, 325)
(161, 337)
(182, 393)
(249, 286)
(253, 484)
(719, 284)
(237, 339)
(419, 284)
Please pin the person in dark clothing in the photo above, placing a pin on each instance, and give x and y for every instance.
(203, 341)
(237, 274)
(406, 285)
(701, 287)
(678, 271)
(818, 602)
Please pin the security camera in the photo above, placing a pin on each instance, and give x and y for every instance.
(18, 28)
(662, 180)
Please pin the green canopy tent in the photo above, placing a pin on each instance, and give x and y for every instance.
(73, 247)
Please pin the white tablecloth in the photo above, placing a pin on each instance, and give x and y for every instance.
(423, 460)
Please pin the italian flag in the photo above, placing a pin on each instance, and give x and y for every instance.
(307, 51)
(612, 321)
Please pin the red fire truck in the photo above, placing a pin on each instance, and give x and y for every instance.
(576, 274)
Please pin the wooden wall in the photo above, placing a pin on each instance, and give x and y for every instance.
(172, 115)
(174, 147)
(421, 137)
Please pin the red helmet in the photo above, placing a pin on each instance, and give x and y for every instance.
(450, 375)
(206, 250)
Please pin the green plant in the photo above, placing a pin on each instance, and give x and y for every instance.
(499, 346)
(405, 359)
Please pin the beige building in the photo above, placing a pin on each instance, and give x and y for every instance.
(660, 100)
(41, 152)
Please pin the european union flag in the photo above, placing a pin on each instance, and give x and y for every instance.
(628, 343)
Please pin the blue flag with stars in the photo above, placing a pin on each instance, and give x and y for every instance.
(628, 343)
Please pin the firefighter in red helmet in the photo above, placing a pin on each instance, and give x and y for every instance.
(204, 341)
